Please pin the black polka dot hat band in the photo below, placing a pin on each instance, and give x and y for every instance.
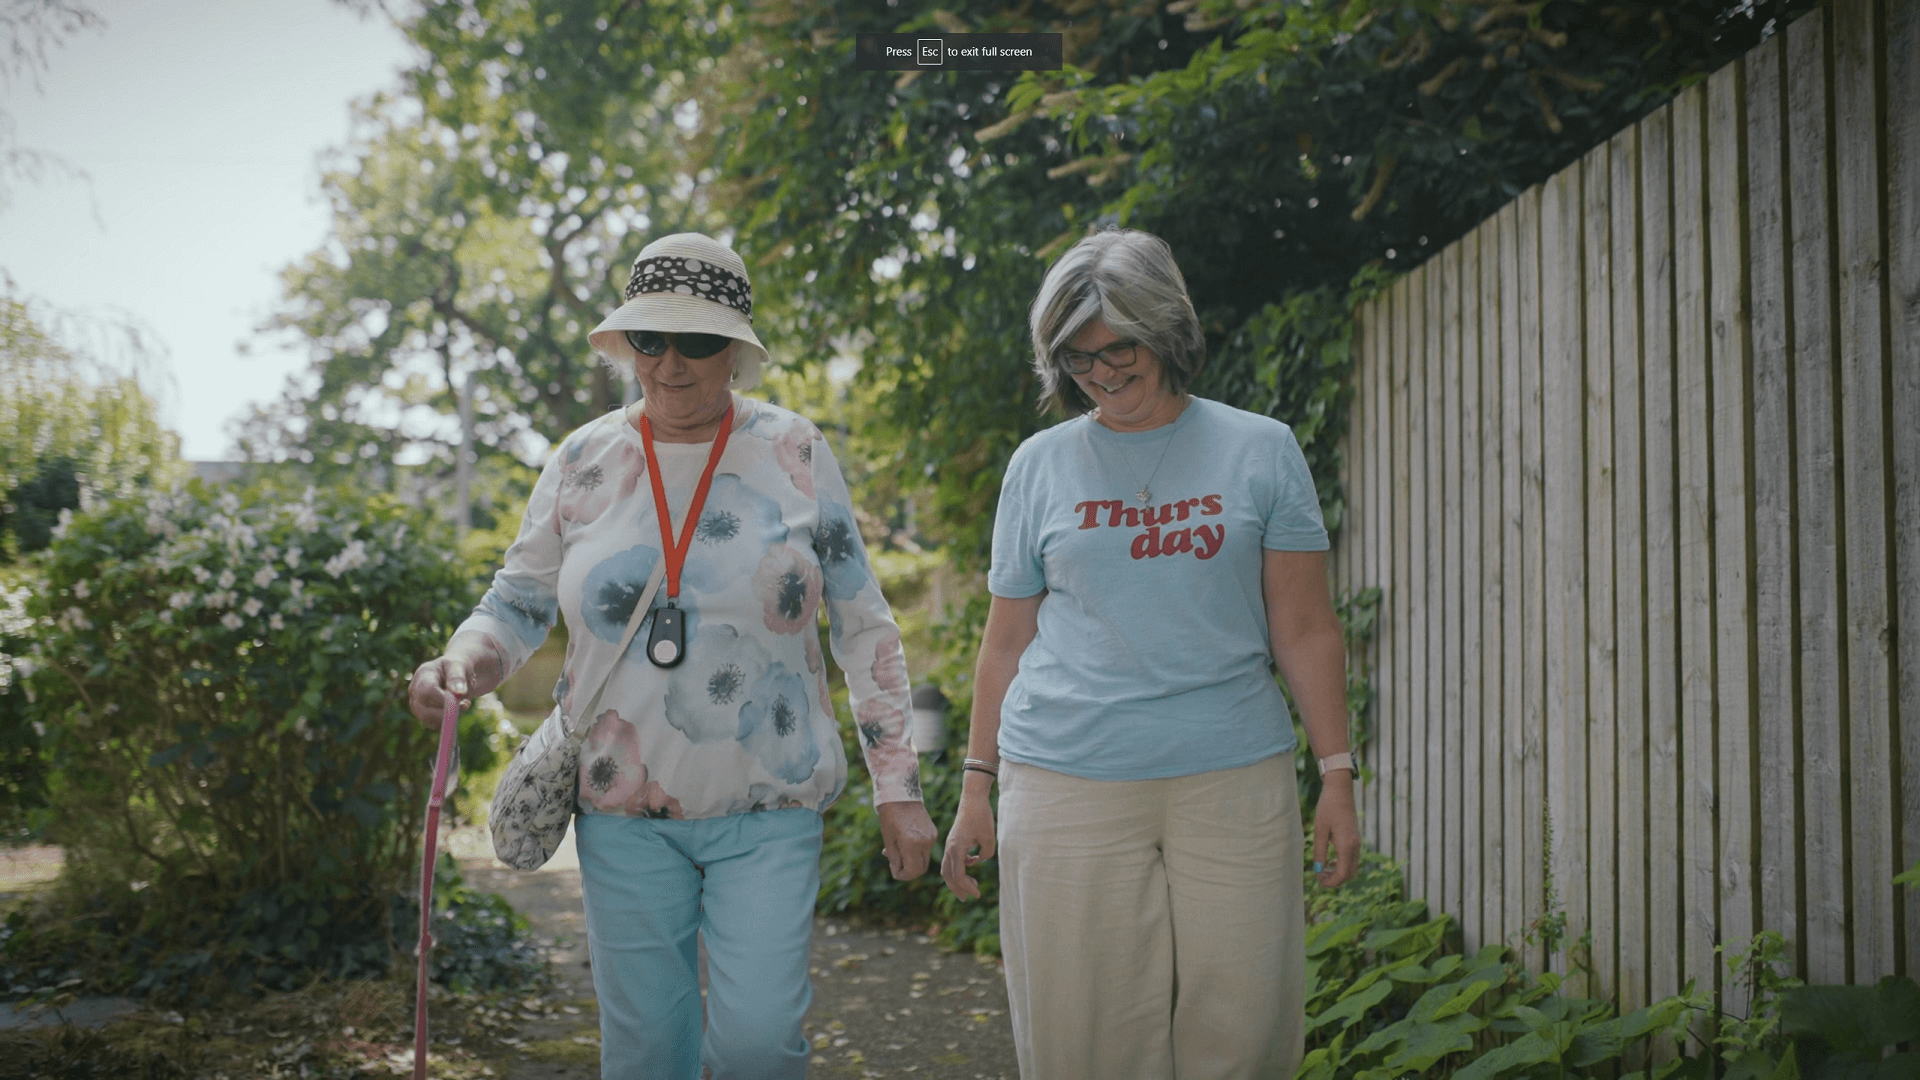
(691, 277)
(687, 283)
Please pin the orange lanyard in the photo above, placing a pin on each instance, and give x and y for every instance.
(676, 554)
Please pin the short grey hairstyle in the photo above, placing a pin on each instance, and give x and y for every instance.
(1127, 279)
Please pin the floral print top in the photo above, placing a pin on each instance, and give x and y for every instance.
(745, 722)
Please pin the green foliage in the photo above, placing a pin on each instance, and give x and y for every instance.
(1847, 1030)
(23, 771)
(1910, 877)
(1389, 993)
(483, 221)
(480, 942)
(72, 428)
(237, 781)
(1280, 148)
(1763, 966)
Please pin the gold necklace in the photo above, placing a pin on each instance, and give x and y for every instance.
(1145, 494)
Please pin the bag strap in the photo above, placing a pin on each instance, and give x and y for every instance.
(633, 626)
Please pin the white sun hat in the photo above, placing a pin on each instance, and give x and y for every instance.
(687, 283)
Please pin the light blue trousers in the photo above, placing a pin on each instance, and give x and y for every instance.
(746, 884)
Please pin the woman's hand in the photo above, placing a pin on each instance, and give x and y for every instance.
(1336, 831)
(432, 682)
(906, 838)
(970, 841)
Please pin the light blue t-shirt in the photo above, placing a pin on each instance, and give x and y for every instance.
(1152, 656)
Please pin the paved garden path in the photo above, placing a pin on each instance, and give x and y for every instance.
(886, 1003)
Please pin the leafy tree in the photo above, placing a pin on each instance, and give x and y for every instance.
(483, 223)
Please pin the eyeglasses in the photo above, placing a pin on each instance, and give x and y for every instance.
(691, 346)
(1119, 354)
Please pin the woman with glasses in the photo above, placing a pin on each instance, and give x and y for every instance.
(705, 773)
(1153, 558)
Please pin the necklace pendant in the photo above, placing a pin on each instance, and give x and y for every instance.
(1144, 496)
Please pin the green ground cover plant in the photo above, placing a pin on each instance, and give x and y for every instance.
(1391, 993)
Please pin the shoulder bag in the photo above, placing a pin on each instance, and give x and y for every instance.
(535, 799)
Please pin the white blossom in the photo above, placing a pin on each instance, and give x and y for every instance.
(180, 599)
(293, 558)
(231, 621)
(252, 606)
(295, 586)
(226, 579)
(201, 575)
(326, 634)
(166, 617)
(66, 519)
(265, 575)
(275, 623)
(73, 619)
(80, 589)
(228, 502)
(353, 556)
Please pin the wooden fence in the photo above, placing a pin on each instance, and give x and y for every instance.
(1634, 464)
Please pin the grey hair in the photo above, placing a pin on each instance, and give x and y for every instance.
(1127, 279)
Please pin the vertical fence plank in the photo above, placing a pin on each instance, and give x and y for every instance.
(1379, 757)
(1433, 729)
(1629, 594)
(1903, 276)
(1729, 354)
(1533, 585)
(1693, 396)
(1666, 884)
(1420, 882)
(1403, 588)
(1341, 558)
(1356, 525)
(1451, 756)
(1600, 775)
(1466, 587)
(1777, 738)
(1816, 471)
(1513, 582)
(1492, 585)
(1562, 374)
(1360, 529)
(1863, 469)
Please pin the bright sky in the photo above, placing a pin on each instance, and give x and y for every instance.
(199, 123)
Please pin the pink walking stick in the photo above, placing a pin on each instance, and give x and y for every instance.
(431, 842)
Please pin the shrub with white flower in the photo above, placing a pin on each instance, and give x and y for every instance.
(229, 731)
(23, 773)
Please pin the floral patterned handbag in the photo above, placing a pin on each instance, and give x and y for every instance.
(535, 799)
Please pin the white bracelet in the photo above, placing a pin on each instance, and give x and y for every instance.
(1342, 760)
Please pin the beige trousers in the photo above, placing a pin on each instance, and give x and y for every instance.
(1153, 929)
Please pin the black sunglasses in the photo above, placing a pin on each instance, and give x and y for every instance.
(691, 346)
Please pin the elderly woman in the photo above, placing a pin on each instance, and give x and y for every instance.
(1151, 557)
(704, 776)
